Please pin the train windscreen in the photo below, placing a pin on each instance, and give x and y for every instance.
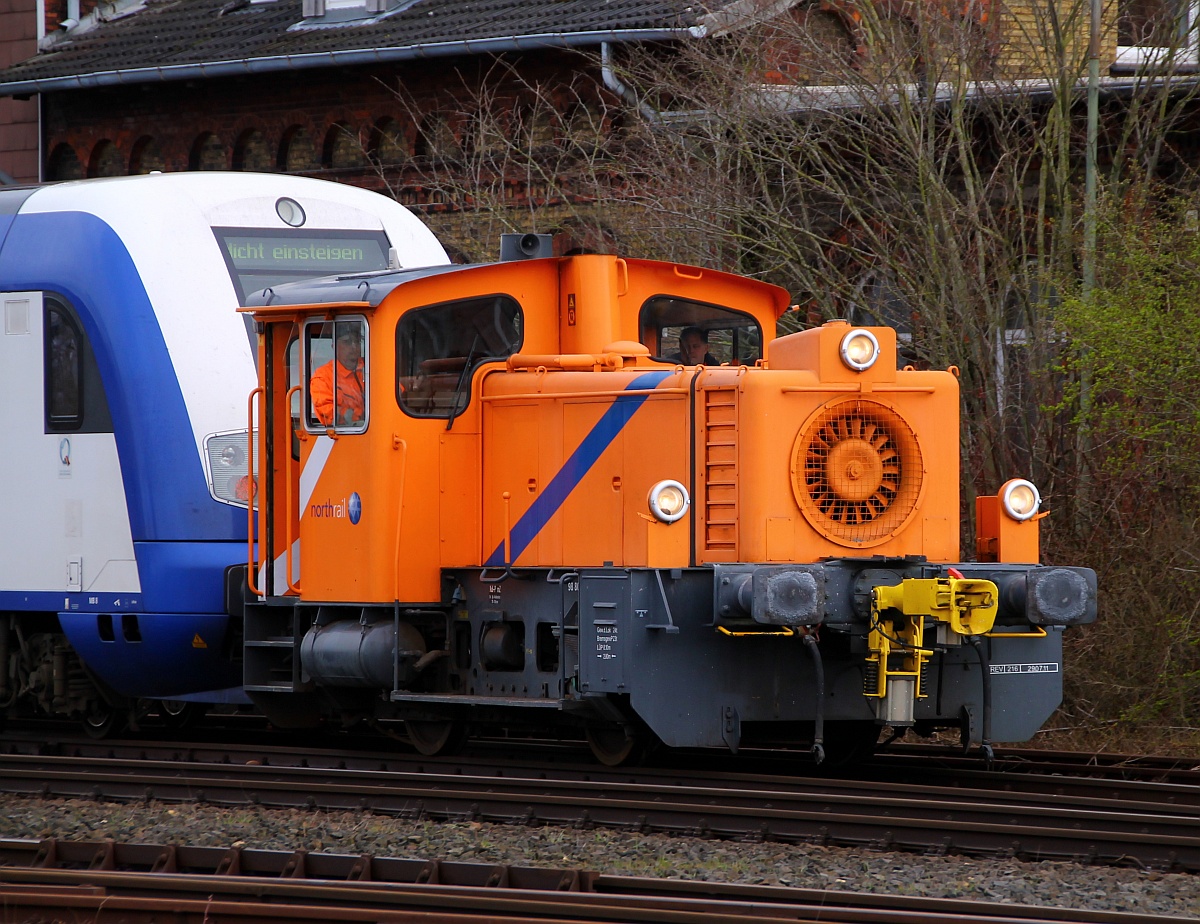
(258, 258)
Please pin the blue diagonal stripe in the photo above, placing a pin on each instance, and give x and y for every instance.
(586, 454)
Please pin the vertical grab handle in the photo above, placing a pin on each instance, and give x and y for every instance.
(402, 447)
(251, 561)
(622, 277)
(288, 536)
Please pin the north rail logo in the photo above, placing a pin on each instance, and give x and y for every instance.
(347, 508)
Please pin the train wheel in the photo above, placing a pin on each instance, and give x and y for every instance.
(615, 745)
(102, 721)
(178, 715)
(435, 738)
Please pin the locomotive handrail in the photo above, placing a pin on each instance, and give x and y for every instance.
(569, 361)
(401, 447)
(858, 386)
(1036, 632)
(605, 393)
(287, 528)
(251, 563)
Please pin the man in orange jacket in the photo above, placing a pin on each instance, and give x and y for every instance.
(346, 393)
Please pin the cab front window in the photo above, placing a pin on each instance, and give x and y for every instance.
(695, 333)
(439, 346)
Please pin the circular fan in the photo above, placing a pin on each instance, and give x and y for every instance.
(856, 472)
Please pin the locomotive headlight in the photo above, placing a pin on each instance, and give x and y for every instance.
(860, 349)
(1020, 499)
(669, 501)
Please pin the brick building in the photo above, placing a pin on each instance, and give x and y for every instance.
(20, 134)
(380, 93)
(383, 93)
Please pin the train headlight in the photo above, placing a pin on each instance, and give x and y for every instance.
(230, 476)
(1020, 499)
(669, 501)
(860, 349)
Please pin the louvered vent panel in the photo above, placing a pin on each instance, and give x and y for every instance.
(720, 473)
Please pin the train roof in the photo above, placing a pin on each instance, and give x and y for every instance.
(373, 287)
(370, 288)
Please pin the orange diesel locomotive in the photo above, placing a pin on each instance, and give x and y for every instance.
(523, 509)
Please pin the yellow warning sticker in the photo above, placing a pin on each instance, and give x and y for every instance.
(198, 642)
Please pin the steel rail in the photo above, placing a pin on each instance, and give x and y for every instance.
(104, 881)
(842, 813)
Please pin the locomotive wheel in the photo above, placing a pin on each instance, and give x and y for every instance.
(615, 745)
(178, 715)
(436, 738)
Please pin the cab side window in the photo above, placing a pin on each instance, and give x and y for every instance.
(336, 371)
(438, 347)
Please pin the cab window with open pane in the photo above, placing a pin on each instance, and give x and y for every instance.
(336, 371)
(438, 347)
(731, 336)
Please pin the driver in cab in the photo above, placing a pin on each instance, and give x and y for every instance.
(339, 383)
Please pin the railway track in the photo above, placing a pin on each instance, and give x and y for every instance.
(952, 811)
(132, 884)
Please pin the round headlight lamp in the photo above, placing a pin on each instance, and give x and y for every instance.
(1020, 499)
(669, 501)
(859, 349)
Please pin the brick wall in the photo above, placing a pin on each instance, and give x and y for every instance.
(18, 118)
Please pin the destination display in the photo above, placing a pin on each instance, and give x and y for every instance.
(258, 259)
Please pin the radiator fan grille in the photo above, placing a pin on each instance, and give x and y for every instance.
(856, 472)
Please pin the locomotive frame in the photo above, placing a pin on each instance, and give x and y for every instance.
(543, 519)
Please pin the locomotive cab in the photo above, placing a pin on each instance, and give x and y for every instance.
(529, 512)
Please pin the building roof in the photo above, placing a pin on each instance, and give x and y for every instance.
(149, 41)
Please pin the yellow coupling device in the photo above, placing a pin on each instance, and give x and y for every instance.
(896, 666)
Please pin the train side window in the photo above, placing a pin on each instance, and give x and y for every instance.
(732, 336)
(74, 394)
(439, 346)
(335, 367)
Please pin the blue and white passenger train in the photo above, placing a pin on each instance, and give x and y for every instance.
(125, 370)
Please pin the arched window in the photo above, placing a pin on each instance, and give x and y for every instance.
(208, 153)
(582, 127)
(537, 125)
(389, 146)
(296, 153)
(342, 148)
(436, 137)
(250, 152)
(487, 134)
(146, 156)
(106, 160)
(64, 164)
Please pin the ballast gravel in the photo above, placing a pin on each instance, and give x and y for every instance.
(1055, 884)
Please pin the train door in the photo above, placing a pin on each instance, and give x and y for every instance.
(279, 456)
(60, 462)
(314, 380)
